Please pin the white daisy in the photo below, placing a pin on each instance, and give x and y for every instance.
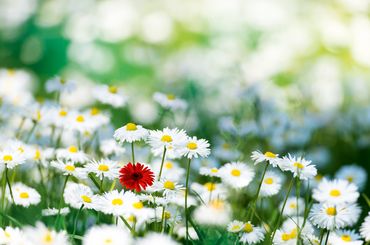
(291, 206)
(268, 156)
(9, 235)
(353, 174)
(57, 116)
(211, 172)
(131, 132)
(217, 213)
(10, 158)
(235, 226)
(334, 216)
(236, 174)
(77, 195)
(111, 95)
(81, 122)
(110, 147)
(252, 234)
(210, 191)
(226, 152)
(171, 170)
(72, 153)
(69, 168)
(169, 101)
(105, 167)
(299, 166)
(169, 187)
(293, 225)
(336, 192)
(283, 237)
(55, 211)
(193, 148)
(23, 195)
(172, 139)
(365, 228)
(345, 237)
(98, 118)
(271, 184)
(43, 235)
(58, 84)
(156, 238)
(107, 234)
(117, 202)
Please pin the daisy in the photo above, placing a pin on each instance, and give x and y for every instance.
(235, 226)
(77, 195)
(110, 147)
(81, 122)
(9, 235)
(283, 237)
(140, 213)
(24, 195)
(136, 176)
(69, 168)
(107, 234)
(43, 235)
(365, 228)
(131, 132)
(334, 216)
(345, 237)
(271, 184)
(299, 166)
(217, 213)
(211, 172)
(226, 152)
(353, 174)
(72, 153)
(58, 84)
(169, 188)
(98, 118)
(194, 147)
(171, 139)
(169, 101)
(171, 170)
(57, 116)
(336, 192)
(110, 95)
(252, 234)
(103, 168)
(11, 158)
(236, 174)
(292, 206)
(55, 211)
(291, 225)
(268, 156)
(116, 202)
(210, 191)
(156, 238)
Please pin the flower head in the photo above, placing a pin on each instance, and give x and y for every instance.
(136, 176)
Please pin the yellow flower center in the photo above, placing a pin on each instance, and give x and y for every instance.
(86, 198)
(108, 241)
(73, 149)
(7, 234)
(210, 186)
(285, 237)
(131, 218)
(63, 113)
(226, 146)
(171, 96)
(38, 115)
(103, 167)
(270, 154)
(293, 205)
(24, 195)
(332, 211)
(293, 234)
(318, 177)
(335, 193)
(169, 185)
(217, 204)
(70, 168)
(166, 138)
(248, 228)
(21, 149)
(235, 227)
(298, 165)
(235, 172)
(113, 89)
(80, 118)
(37, 154)
(346, 238)
(117, 201)
(7, 158)
(167, 215)
(350, 179)
(268, 181)
(131, 127)
(214, 170)
(48, 238)
(138, 205)
(94, 111)
(168, 165)
(192, 145)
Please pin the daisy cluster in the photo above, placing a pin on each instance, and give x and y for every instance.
(69, 176)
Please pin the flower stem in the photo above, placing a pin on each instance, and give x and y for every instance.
(8, 181)
(186, 201)
(31, 132)
(3, 187)
(163, 157)
(61, 200)
(259, 189)
(297, 191)
(162, 223)
(327, 237)
(282, 209)
(76, 219)
(101, 184)
(133, 152)
(127, 224)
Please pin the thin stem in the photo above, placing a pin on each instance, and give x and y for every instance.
(163, 157)
(322, 232)
(133, 152)
(8, 181)
(61, 200)
(162, 222)
(76, 219)
(101, 184)
(3, 197)
(327, 237)
(19, 130)
(259, 189)
(186, 201)
(31, 132)
(126, 223)
(297, 191)
(282, 208)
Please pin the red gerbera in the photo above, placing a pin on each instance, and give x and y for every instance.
(136, 176)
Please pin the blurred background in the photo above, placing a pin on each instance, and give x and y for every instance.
(288, 75)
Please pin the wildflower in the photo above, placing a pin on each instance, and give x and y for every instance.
(55, 211)
(103, 168)
(210, 191)
(107, 234)
(336, 192)
(235, 226)
(136, 176)
(110, 147)
(193, 148)
(365, 228)
(268, 156)
(11, 157)
(171, 170)
(116, 202)
(226, 152)
(77, 195)
(353, 174)
(24, 195)
(156, 238)
(345, 237)
(211, 172)
(58, 84)
(81, 122)
(172, 139)
(131, 132)
(169, 188)
(271, 184)
(236, 174)
(169, 101)
(217, 212)
(9, 235)
(111, 95)
(292, 207)
(72, 153)
(299, 166)
(43, 235)
(251, 234)
(69, 168)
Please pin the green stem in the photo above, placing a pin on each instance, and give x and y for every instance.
(3, 197)
(19, 130)
(327, 237)
(8, 181)
(101, 184)
(297, 191)
(31, 132)
(259, 189)
(163, 157)
(282, 209)
(127, 224)
(61, 200)
(162, 222)
(186, 201)
(76, 219)
(133, 153)
(322, 232)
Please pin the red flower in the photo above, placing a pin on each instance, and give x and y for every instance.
(136, 176)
